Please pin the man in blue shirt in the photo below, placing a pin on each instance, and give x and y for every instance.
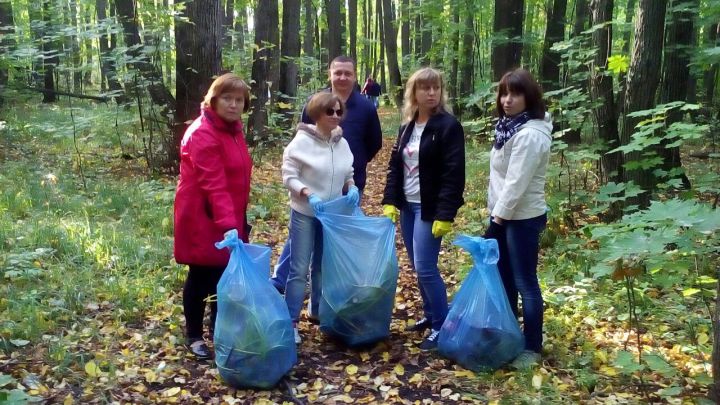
(361, 129)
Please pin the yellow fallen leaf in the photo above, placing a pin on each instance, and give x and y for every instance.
(68, 400)
(464, 373)
(386, 356)
(703, 338)
(445, 392)
(171, 392)
(342, 398)
(364, 356)
(537, 381)
(399, 369)
(92, 369)
(416, 378)
(351, 369)
(139, 388)
(609, 371)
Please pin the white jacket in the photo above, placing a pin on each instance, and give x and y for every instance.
(517, 172)
(322, 165)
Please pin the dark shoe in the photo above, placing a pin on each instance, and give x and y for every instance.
(199, 349)
(420, 326)
(430, 342)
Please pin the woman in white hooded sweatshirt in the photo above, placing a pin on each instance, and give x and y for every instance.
(516, 199)
(317, 167)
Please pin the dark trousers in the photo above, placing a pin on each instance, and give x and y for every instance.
(201, 283)
(519, 250)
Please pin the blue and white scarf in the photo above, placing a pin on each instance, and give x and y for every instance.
(506, 127)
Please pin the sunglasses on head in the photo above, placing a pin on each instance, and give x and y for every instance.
(330, 111)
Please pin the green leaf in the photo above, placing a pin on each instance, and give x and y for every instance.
(618, 64)
(625, 361)
(658, 364)
(690, 292)
(670, 392)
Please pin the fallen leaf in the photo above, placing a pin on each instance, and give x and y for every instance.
(92, 369)
(416, 378)
(399, 369)
(537, 381)
(351, 369)
(68, 400)
(171, 392)
(445, 392)
(19, 342)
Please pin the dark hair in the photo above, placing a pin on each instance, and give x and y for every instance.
(320, 102)
(227, 83)
(520, 81)
(342, 59)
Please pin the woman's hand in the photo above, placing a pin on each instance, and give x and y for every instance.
(391, 212)
(315, 202)
(353, 195)
(441, 228)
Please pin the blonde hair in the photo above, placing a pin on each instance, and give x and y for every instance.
(421, 77)
(320, 102)
(227, 83)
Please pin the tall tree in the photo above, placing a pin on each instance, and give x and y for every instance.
(627, 36)
(107, 45)
(405, 28)
(554, 32)
(508, 25)
(601, 89)
(352, 27)
(678, 42)
(332, 14)
(264, 62)
(642, 83)
(582, 12)
(455, 46)
(7, 30)
(50, 52)
(390, 40)
(710, 75)
(467, 70)
(289, 52)
(227, 22)
(198, 48)
(309, 35)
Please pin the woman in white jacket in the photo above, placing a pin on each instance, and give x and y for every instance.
(317, 166)
(516, 199)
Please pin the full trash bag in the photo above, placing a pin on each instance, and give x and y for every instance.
(359, 274)
(480, 331)
(254, 343)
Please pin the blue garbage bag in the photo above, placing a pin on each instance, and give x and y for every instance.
(254, 342)
(359, 274)
(480, 331)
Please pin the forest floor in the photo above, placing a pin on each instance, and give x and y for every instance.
(106, 332)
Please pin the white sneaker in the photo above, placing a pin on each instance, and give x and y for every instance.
(298, 340)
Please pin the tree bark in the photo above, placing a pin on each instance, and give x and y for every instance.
(390, 40)
(198, 48)
(405, 28)
(554, 32)
(710, 75)
(642, 82)
(228, 24)
(381, 37)
(107, 62)
(452, 82)
(309, 37)
(290, 51)
(426, 38)
(352, 27)
(627, 36)
(50, 54)
(332, 14)
(266, 38)
(678, 42)
(508, 23)
(467, 70)
(582, 11)
(7, 31)
(601, 90)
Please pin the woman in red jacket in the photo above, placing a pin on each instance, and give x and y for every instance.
(211, 198)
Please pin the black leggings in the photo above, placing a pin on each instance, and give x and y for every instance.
(201, 283)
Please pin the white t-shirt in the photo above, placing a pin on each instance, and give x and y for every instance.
(411, 165)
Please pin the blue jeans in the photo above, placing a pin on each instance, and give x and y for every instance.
(423, 249)
(519, 248)
(282, 268)
(307, 244)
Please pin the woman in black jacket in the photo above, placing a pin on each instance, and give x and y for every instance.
(425, 183)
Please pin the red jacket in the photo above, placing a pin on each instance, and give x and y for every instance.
(213, 189)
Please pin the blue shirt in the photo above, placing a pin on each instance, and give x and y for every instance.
(361, 129)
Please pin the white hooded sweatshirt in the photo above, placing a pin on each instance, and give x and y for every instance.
(322, 165)
(517, 172)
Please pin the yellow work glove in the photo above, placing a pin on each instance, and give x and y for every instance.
(391, 212)
(441, 228)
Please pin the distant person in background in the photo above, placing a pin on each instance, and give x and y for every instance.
(211, 199)
(516, 199)
(424, 188)
(317, 167)
(361, 129)
(372, 90)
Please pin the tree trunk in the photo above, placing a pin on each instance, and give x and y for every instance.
(159, 94)
(405, 28)
(309, 37)
(240, 25)
(332, 13)
(508, 24)
(417, 32)
(381, 38)
(73, 47)
(642, 83)
(555, 32)
(452, 82)
(198, 48)
(290, 51)
(582, 11)
(7, 31)
(678, 42)
(627, 36)
(426, 38)
(228, 25)
(601, 90)
(107, 62)
(710, 75)
(266, 19)
(467, 70)
(352, 22)
(50, 54)
(390, 40)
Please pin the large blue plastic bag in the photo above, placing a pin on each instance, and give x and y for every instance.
(359, 274)
(254, 343)
(480, 331)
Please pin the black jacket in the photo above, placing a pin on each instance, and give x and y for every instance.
(442, 168)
